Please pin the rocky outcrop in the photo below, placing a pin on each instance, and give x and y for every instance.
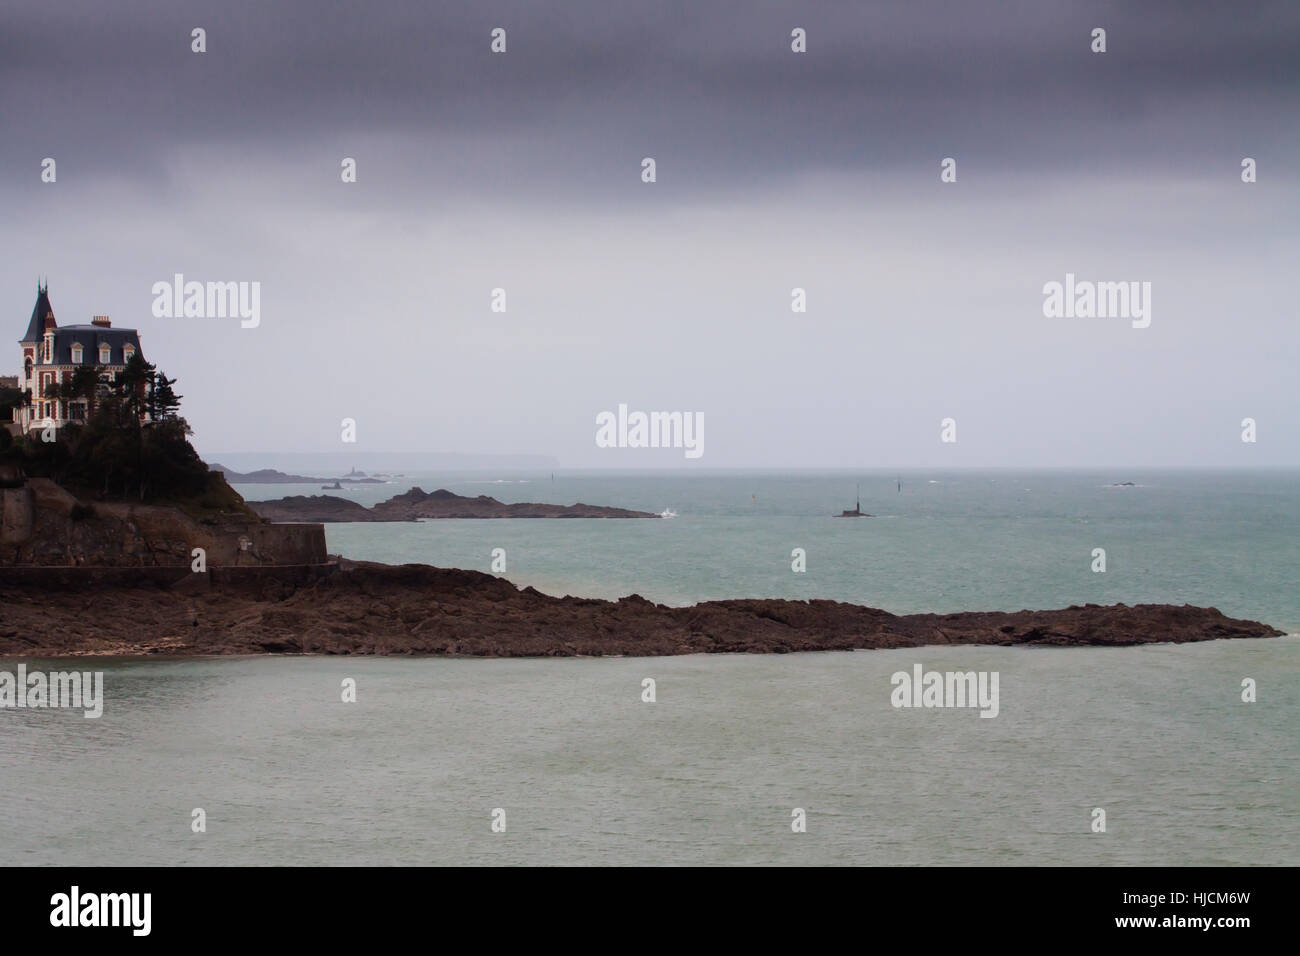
(416, 609)
(416, 505)
(42, 524)
(324, 508)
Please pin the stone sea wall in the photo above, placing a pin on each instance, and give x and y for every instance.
(42, 524)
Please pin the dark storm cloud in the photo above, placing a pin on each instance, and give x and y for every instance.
(711, 89)
(776, 170)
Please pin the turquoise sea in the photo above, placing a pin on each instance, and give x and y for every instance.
(972, 540)
(585, 771)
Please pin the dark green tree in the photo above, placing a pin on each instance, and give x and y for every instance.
(10, 398)
(113, 453)
(133, 384)
(83, 383)
(164, 403)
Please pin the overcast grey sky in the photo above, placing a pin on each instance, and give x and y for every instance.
(775, 170)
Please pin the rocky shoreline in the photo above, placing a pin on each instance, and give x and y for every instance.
(365, 608)
(419, 505)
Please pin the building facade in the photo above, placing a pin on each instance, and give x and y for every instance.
(51, 353)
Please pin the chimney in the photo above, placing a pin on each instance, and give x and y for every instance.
(101, 321)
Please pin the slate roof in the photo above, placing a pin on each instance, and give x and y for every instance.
(89, 336)
(36, 327)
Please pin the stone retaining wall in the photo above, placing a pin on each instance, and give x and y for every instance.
(42, 524)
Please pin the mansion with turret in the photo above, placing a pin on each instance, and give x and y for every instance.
(51, 353)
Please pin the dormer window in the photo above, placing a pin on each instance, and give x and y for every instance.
(127, 352)
(105, 353)
(76, 353)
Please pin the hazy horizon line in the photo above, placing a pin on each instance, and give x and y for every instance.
(679, 469)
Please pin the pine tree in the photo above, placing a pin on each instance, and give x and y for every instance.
(84, 383)
(164, 403)
(134, 383)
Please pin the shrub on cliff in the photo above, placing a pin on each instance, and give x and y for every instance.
(10, 398)
(115, 453)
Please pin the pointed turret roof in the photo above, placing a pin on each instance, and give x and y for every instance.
(36, 327)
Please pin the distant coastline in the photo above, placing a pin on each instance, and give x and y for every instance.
(269, 476)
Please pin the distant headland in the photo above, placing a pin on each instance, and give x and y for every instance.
(269, 476)
(417, 505)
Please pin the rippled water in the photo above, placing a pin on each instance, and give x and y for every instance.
(587, 773)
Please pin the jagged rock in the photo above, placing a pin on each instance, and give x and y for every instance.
(369, 608)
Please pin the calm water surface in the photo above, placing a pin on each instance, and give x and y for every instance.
(709, 773)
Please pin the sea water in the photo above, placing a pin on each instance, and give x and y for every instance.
(580, 768)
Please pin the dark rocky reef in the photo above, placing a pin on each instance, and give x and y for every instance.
(415, 609)
(415, 505)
